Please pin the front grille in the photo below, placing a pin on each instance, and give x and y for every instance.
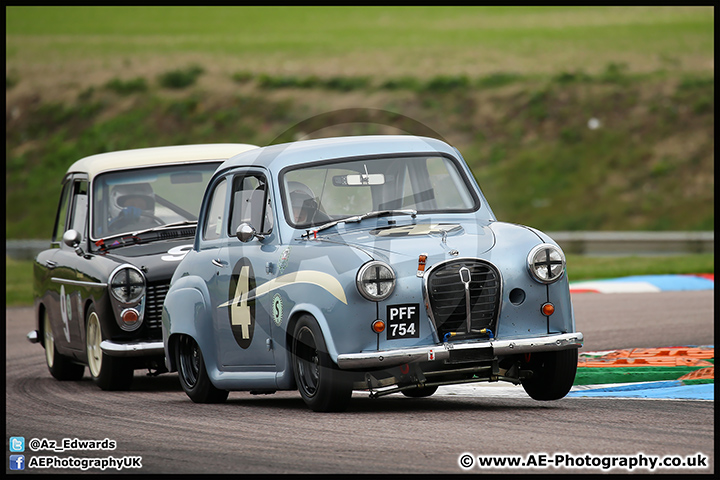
(446, 296)
(154, 299)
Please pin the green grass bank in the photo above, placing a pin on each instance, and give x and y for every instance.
(571, 118)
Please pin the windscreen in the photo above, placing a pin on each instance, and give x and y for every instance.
(333, 190)
(136, 199)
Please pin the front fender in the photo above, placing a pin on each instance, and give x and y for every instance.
(519, 319)
(308, 308)
(185, 312)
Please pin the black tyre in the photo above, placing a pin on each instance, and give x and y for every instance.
(108, 373)
(60, 366)
(193, 374)
(322, 386)
(420, 392)
(553, 374)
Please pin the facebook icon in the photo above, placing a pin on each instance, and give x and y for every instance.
(17, 462)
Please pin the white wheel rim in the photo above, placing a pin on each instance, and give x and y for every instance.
(49, 341)
(93, 337)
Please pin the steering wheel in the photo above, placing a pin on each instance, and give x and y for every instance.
(153, 218)
(123, 222)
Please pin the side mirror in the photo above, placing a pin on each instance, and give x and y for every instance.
(72, 238)
(245, 232)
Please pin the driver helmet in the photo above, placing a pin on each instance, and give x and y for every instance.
(138, 195)
(299, 194)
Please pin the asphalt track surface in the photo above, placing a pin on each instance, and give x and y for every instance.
(278, 434)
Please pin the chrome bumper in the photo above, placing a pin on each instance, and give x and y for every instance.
(136, 349)
(400, 356)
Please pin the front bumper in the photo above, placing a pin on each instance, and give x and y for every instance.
(134, 349)
(401, 356)
(113, 349)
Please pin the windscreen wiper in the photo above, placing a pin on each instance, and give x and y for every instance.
(359, 218)
(163, 227)
(132, 238)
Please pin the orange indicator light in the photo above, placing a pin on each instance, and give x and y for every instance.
(421, 264)
(130, 316)
(548, 309)
(378, 326)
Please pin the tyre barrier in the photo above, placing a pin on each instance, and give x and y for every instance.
(646, 283)
(670, 373)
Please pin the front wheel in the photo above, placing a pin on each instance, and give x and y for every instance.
(60, 366)
(553, 374)
(193, 375)
(108, 373)
(322, 386)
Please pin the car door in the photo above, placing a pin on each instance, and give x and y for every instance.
(47, 269)
(242, 320)
(66, 312)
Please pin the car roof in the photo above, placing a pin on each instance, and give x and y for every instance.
(286, 154)
(142, 157)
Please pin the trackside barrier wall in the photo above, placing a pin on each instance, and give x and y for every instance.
(581, 243)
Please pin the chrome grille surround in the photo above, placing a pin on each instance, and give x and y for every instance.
(444, 290)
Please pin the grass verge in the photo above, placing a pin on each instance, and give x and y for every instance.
(581, 267)
(18, 282)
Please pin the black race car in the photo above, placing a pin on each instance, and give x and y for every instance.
(124, 222)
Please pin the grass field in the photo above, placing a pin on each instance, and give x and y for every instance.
(514, 89)
(421, 41)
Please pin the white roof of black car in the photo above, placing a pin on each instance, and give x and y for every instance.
(142, 157)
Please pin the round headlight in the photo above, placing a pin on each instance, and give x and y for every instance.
(127, 284)
(375, 280)
(546, 263)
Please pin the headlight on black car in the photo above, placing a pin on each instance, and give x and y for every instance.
(127, 284)
(546, 263)
(375, 280)
(127, 290)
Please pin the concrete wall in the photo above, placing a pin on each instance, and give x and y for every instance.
(635, 243)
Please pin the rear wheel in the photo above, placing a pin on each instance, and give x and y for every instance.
(108, 373)
(322, 386)
(553, 374)
(193, 374)
(60, 366)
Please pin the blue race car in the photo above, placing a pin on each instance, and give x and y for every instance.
(363, 263)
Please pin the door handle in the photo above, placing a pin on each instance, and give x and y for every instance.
(219, 263)
(51, 264)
